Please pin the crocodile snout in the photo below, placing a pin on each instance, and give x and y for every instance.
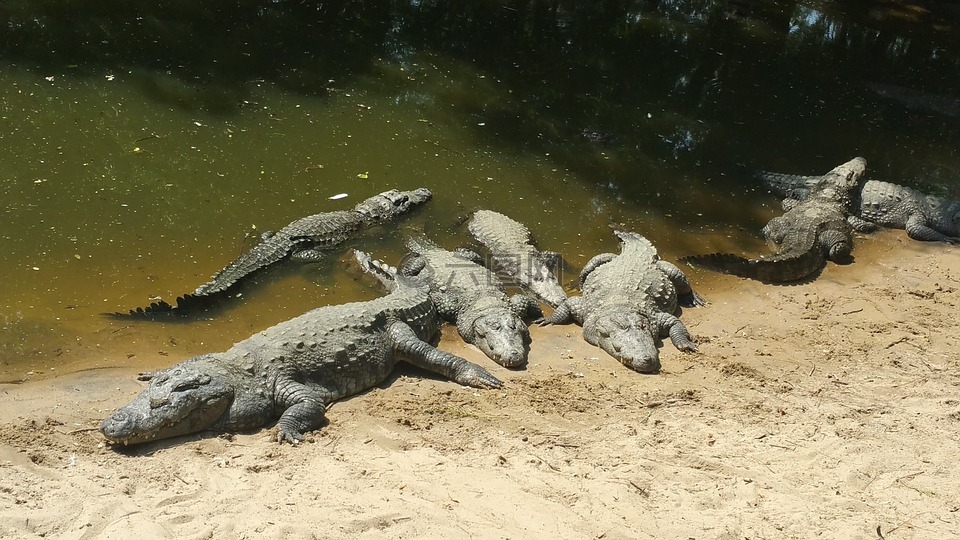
(117, 426)
(509, 358)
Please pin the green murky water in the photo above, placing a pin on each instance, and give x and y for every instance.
(143, 150)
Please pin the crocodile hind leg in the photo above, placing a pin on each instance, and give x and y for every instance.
(525, 307)
(423, 355)
(307, 255)
(413, 265)
(685, 293)
(470, 255)
(918, 230)
(775, 231)
(594, 263)
(304, 409)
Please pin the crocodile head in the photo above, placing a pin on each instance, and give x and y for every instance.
(195, 395)
(390, 204)
(502, 336)
(845, 177)
(625, 335)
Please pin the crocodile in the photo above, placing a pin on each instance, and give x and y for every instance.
(295, 369)
(513, 252)
(304, 240)
(472, 297)
(810, 232)
(629, 302)
(925, 217)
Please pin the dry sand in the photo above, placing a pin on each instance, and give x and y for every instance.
(824, 410)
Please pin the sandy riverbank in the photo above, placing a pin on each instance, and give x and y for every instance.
(829, 409)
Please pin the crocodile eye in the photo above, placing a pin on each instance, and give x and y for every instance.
(156, 403)
(494, 325)
(191, 384)
(401, 200)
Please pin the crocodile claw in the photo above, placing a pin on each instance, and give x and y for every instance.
(477, 377)
(291, 437)
(692, 300)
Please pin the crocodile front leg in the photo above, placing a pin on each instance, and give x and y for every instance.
(669, 325)
(837, 245)
(569, 311)
(918, 230)
(303, 410)
(861, 225)
(423, 355)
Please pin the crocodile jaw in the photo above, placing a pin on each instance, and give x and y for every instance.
(503, 338)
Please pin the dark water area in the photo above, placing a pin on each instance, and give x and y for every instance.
(143, 147)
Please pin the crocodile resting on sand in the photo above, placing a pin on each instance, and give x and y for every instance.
(811, 231)
(304, 240)
(473, 298)
(925, 217)
(512, 248)
(628, 303)
(294, 369)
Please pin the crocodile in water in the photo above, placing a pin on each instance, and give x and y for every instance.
(305, 240)
(811, 231)
(925, 217)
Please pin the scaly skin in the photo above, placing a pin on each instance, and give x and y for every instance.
(305, 239)
(924, 217)
(295, 368)
(810, 232)
(628, 303)
(473, 298)
(512, 248)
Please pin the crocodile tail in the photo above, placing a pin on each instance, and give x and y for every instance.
(186, 305)
(788, 185)
(779, 268)
(262, 255)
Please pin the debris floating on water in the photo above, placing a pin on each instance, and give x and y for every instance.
(338, 196)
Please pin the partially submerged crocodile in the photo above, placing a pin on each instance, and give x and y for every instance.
(925, 217)
(294, 369)
(513, 252)
(628, 304)
(810, 232)
(473, 298)
(305, 240)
